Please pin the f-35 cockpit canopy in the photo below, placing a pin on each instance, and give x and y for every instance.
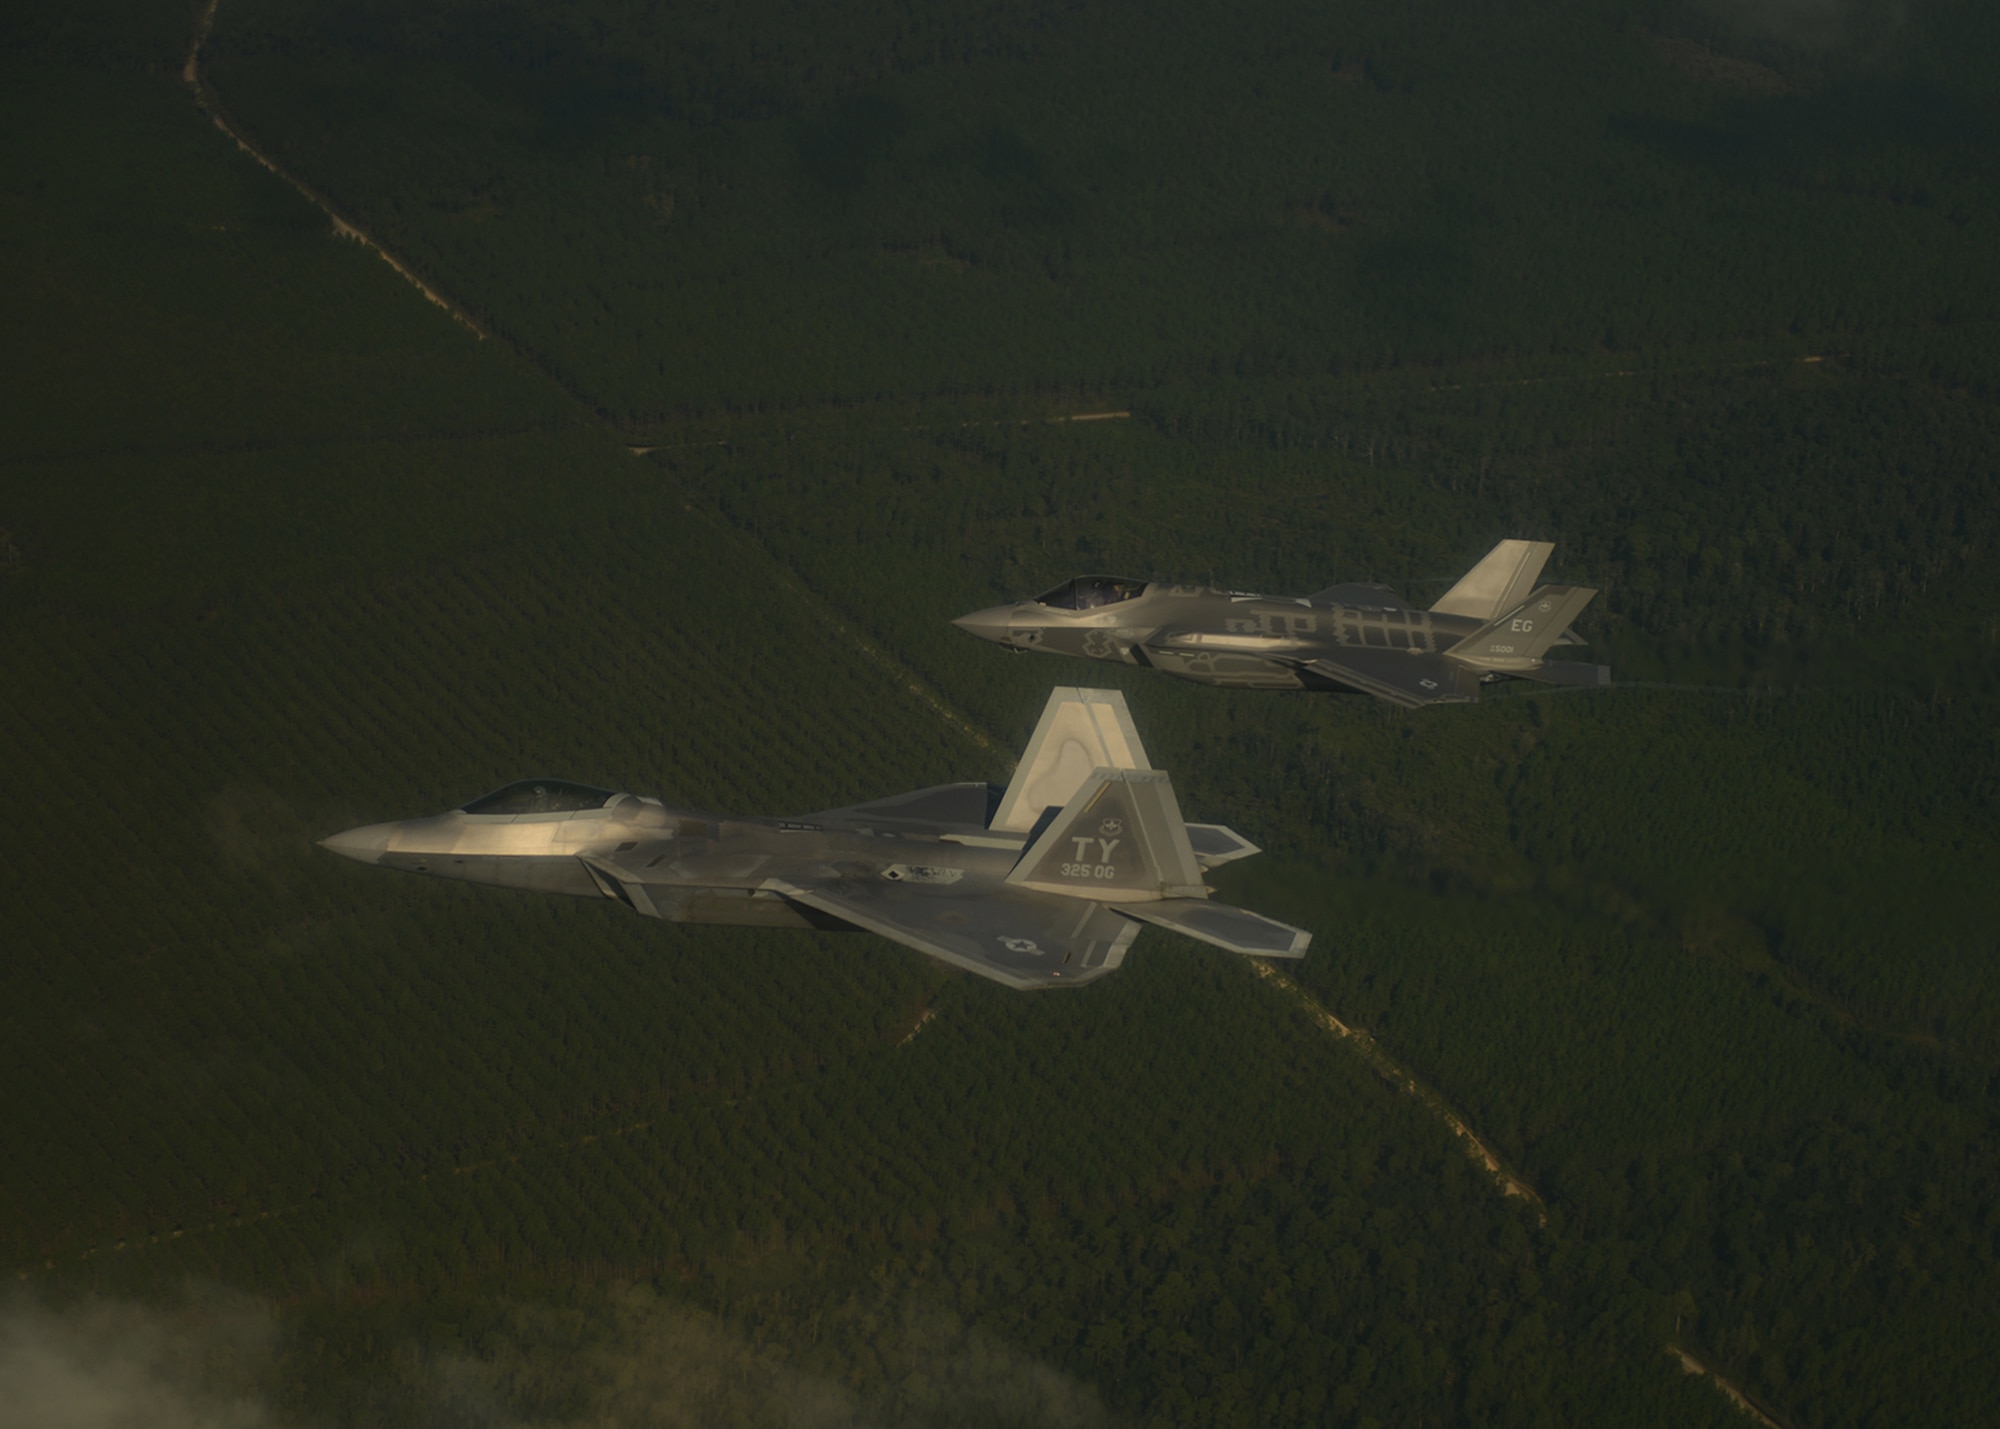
(1090, 592)
(540, 796)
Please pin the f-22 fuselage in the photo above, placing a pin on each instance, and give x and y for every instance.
(1045, 887)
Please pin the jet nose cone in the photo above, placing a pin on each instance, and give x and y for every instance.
(989, 624)
(366, 844)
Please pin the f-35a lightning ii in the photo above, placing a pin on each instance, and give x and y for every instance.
(1047, 887)
(1496, 623)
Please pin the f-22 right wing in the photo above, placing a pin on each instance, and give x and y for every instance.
(1024, 939)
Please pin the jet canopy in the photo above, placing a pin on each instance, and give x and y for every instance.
(1089, 592)
(540, 796)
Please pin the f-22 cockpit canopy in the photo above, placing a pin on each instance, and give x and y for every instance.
(1090, 592)
(540, 796)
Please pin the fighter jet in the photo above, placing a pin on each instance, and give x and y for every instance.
(1043, 884)
(1495, 624)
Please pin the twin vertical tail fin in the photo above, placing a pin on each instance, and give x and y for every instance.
(1522, 621)
(1118, 837)
(1519, 639)
(1500, 581)
(1080, 731)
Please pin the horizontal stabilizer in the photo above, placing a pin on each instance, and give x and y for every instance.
(1519, 638)
(1025, 940)
(1079, 731)
(1499, 582)
(1569, 672)
(1400, 677)
(1214, 845)
(1235, 929)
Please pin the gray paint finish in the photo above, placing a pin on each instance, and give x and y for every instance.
(937, 869)
(1495, 624)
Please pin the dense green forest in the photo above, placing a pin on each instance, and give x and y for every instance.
(1706, 964)
(680, 207)
(1706, 960)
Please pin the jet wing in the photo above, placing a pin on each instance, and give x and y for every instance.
(1398, 676)
(1237, 929)
(1024, 939)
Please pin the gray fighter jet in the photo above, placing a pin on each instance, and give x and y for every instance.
(1046, 886)
(1494, 624)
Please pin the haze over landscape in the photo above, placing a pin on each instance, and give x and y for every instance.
(1642, 1069)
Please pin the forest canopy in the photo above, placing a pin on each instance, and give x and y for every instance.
(785, 306)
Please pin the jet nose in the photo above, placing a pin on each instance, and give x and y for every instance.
(989, 624)
(366, 844)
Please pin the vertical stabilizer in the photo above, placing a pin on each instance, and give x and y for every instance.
(1520, 638)
(1498, 583)
(1120, 838)
(1080, 731)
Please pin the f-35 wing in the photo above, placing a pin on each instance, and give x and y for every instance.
(1024, 939)
(1400, 677)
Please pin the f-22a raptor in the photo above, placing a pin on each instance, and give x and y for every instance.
(1495, 624)
(1044, 884)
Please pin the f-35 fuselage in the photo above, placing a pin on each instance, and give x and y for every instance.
(1495, 623)
(1218, 637)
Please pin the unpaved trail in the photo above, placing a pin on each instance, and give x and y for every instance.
(1396, 1075)
(923, 1020)
(191, 71)
(824, 611)
(962, 426)
(1736, 1396)
(343, 227)
(1390, 1071)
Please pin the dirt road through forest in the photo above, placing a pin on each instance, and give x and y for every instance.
(211, 106)
(1397, 1076)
